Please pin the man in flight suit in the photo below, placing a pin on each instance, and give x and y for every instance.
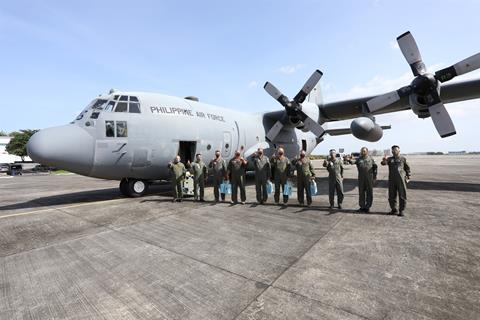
(281, 170)
(219, 170)
(398, 176)
(334, 167)
(200, 174)
(367, 174)
(262, 168)
(236, 172)
(305, 175)
(177, 173)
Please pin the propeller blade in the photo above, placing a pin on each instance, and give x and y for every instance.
(384, 100)
(311, 125)
(308, 86)
(459, 68)
(276, 94)
(410, 51)
(314, 127)
(274, 131)
(441, 119)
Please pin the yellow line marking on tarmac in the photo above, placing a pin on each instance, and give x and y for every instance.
(68, 207)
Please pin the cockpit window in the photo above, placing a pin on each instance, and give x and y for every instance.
(117, 129)
(122, 131)
(110, 106)
(99, 104)
(110, 128)
(134, 107)
(121, 107)
(118, 104)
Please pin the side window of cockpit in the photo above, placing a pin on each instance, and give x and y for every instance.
(122, 131)
(109, 128)
(121, 107)
(99, 104)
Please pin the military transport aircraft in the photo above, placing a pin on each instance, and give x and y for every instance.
(132, 136)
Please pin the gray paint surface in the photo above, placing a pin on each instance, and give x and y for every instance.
(72, 248)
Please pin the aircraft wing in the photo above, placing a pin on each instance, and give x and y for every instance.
(349, 109)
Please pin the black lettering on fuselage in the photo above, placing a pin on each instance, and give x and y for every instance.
(186, 112)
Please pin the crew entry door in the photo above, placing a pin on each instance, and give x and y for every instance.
(227, 144)
(186, 151)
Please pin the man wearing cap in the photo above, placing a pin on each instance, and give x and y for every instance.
(281, 170)
(398, 176)
(236, 171)
(334, 167)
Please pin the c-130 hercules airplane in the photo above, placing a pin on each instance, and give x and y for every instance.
(132, 136)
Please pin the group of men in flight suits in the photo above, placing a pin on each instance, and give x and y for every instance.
(279, 169)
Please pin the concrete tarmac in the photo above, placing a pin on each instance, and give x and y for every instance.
(72, 248)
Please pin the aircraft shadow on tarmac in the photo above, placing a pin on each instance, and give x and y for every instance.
(322, 183)
(74, 198)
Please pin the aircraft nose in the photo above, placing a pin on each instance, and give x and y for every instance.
(67, 147)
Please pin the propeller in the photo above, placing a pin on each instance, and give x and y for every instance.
(293, 107)
(425, 85)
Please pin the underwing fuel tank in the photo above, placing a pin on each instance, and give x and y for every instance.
(366, 129)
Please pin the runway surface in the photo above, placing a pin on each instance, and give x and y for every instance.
(72, 248)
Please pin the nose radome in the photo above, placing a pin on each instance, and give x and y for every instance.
(67, 147)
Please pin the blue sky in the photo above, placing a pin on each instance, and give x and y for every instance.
(58, 55)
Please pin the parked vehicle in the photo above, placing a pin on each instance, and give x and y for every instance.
(4, 167)
(15, 170)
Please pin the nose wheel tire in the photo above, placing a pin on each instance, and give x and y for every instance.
(133, 187)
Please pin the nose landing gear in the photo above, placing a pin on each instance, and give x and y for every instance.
(133, 187)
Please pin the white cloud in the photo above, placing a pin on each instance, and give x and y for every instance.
(253, 84)
(290, 69)
(394, 45)
(378, 84)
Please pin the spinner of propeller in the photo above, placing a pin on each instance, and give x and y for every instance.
(425, 86)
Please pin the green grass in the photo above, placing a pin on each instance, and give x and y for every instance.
(60, 171)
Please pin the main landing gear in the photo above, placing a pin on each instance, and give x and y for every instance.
(133, 187)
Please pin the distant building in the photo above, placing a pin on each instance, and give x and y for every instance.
(456, 152)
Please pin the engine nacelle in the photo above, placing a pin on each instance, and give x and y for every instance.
(364, 128)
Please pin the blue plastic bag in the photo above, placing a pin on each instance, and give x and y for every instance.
(287, 189)
(269, 187)
(225, 188)
(313, 188)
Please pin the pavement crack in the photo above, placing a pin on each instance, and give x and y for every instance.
(288, 267)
